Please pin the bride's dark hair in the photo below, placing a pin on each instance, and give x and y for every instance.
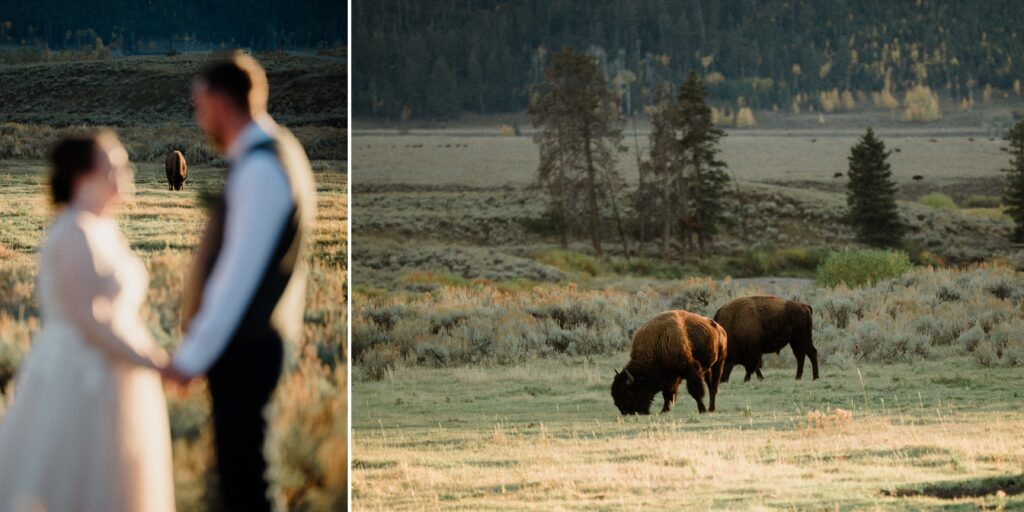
(70, 158)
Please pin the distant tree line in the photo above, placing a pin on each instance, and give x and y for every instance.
(437, 59)
(128, 24)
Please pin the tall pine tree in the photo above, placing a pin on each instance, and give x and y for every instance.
(871, 195)
(580, 134)
(1014, 195)
(689, 179)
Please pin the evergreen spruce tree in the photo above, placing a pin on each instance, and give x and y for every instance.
(1014, 195)
(871, 195)
(703, 174)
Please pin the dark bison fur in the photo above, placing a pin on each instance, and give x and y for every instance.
(177, 171)
(763, 324)
(670, 348)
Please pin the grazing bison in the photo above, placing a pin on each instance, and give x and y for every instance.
(917, 177)
(837, 175)
(763, 324)
(176, 170)
(673, 346)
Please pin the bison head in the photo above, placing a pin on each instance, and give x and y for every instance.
(630, 395)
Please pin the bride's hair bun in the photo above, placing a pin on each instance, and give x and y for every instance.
(70, 158)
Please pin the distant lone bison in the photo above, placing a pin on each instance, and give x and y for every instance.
(673, 346)
(176, 170)
(763, 324)
(917, 177)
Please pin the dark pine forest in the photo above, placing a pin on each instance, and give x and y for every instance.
(128, 24)
(441, 58)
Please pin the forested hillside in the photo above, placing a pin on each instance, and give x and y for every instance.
(260, 24)
(437, 59)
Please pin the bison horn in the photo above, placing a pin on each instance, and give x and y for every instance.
(629, 377)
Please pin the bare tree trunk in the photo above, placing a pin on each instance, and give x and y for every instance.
(641, 203)
(618, 219)
(683, 189)
(592, 210)
(563, 209)
(666, 220)
(698, 228)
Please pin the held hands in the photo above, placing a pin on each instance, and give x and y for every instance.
(171, 374)
(175, 382)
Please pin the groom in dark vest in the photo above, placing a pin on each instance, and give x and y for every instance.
(245, 298)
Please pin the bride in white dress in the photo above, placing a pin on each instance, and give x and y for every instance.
(86, 428)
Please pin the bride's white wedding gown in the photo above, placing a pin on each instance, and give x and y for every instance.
(87, 427)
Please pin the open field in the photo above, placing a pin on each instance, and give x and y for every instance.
(545, 436)
(486, 158)
(308, 446)
(484, 354)
(476, 397)
(463, 194)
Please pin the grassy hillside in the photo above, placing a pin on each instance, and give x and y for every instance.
(147, 101)
(154, 90)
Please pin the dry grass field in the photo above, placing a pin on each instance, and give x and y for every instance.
(545, 436)
(486, 158)
(308, 414)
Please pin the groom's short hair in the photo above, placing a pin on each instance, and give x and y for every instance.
(241, 79)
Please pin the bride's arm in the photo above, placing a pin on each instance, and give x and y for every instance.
(88, 303)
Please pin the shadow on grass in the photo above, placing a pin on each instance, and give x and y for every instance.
(975, 487)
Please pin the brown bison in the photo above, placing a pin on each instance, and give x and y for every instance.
(176, 170)
(763, 324)
(673, 346)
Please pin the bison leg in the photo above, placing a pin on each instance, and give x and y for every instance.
(695, 386)
(813, 354)
(669, 395)
(760, 362)
(715, 377)
(746, 378)
(726, 371)
(800, 355)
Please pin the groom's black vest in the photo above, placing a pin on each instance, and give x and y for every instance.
(275, 311)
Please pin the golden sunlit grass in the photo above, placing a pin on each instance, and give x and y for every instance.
(308, 416)
(545, 436)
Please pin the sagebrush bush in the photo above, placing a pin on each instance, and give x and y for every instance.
(938, 200)
(857, 267)
(901, 319)
(983, 201)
